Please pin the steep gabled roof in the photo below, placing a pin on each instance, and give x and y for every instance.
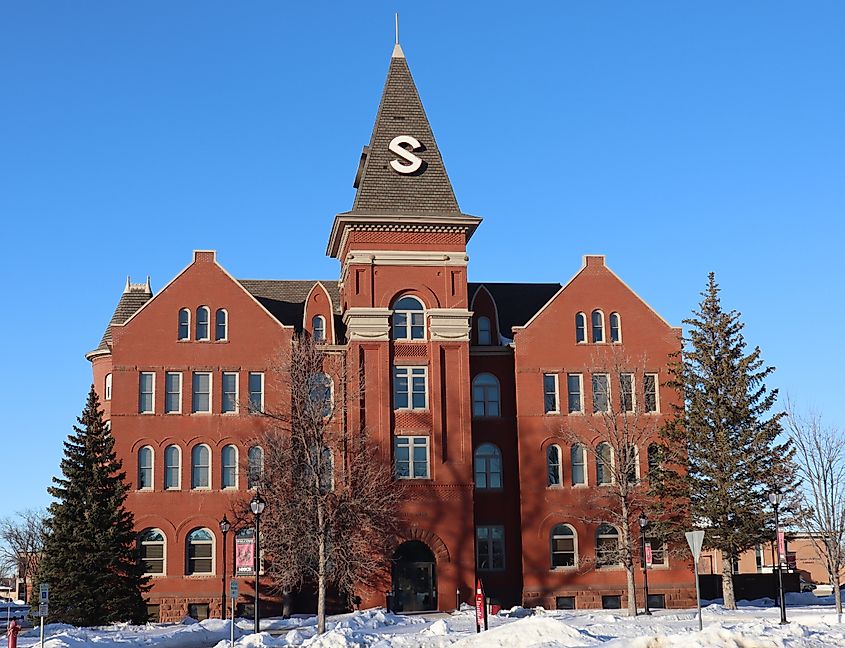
(134, 296)
(381, 189)
(285, 299)
(516, 303)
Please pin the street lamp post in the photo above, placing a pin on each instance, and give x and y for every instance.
(643, 524)
(225, 525)
(257, 507)
(774, 499)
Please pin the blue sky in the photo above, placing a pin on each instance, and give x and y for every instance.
(676, 138)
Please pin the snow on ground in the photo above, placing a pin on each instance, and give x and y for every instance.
(813, 624)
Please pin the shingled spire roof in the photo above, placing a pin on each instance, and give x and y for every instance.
(381, 188)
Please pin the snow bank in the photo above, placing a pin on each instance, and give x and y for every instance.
(532, 632)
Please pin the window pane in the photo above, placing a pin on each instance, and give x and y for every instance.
(573, 382)
(230, 392)
(598, 326)
(626, 384)
(202, 392)
(173, 392)
(580, 328)
(600, 401)
(550, 392)
(202, 323)
(184, 324)
(230, 466)
(255, 458)
(171, 467)
(650, 388)
(221, 325)
(145, 392)
(200, 465)
(256, 392)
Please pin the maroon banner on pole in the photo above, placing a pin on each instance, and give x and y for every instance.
(244, 556)
(781, 547)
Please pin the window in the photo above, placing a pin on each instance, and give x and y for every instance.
(485, 395)
(564, 602)
(327, 470)
(601, 395)
(488, 466)
(553, 468)
(611, 602)
(229, 467)
(607, 546)
(221, 325)
(200, 552)
(320, 394)
(658, 551)
(652, 399)
(255, 460)
(153, 613)
(184, 324)
(408, 319)
(604, 464)
(146, 392)
(145, 468)
(550, 393)
(256, 392)
(485, 335)
(200, 467)
(579, 464)
(198, 611)
(201, 401)
(630, 463)
(411, 455)
(597, 321)
(563, 546)
(580, 328)
(655, 457)
(107, 388)
(615, 328)
(151, 551)
(575, 397)
(172, 393)
(409, 388)
(172, 468)
(656, 601)
(318, 328)
(490, 542)
(202, 323)
(229, 402)
(626, 392)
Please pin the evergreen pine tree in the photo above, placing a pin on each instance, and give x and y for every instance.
(722, 454)
(89, 555)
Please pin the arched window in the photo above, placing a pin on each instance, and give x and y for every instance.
(607, 546)
(630, 463)
(320, 394)
(655, 456)
(597, 320)
(580, 328)
(488, 466)
(107, 388)
(604, 464)
(229, 467)
(615, 328)
(203, 315)
(553, 467)
(578, 456)
(485, 335)
(145, 468)
(200, 552)
(255, 460)
(327, 468)
(485, 395)
(184, 324)
(221, 324)
(172, 467)
(408, 319)
(318, 328)
(151, 551)
(200, 467)
(564, 546)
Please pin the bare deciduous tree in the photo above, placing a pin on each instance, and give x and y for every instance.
(21, 542)
(820, 459)
(332, 497)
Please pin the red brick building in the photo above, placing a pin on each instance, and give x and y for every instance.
(467, 386)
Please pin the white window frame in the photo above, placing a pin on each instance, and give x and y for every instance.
(583, 317)
(654, 376)
(608, 401)
(488, 331)
(163, 542)
(411, 372)
(605, 536)
(636, 458)
(254, 480)
(225, 337)
(600, 327)
(558, 467)
(412, 442)
(553, 536)
(622, 407)
(407, 334)
(322, 328)
(178, 485)
(210, 469)
(223, 392)
(608, 477)
(555, 393)
(212, 543)
(585, 470)
(234, 467)
(107, 387)
(194, 392)
(259, 374)
(325, 380)
(167, 393)
(580, 409)
(618, 327)
(489, 529)
(152, 393)
(152, 468)
(207, 336)
(179, 325)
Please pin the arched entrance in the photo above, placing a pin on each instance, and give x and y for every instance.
(414, 578)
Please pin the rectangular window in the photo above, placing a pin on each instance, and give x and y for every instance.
(411, 457)
(550, 393)
(611, 602)
(146, 392)
(626, 387)
(153, 612)
(576, 402)
(256, 392)
(198, 611)
(230, 392)
(172, 393)
(656, 601)
(652, 399)
(601, 393)
(490, 543)
(564, 602)
(658, 551)
(201, 401)
(410, 388)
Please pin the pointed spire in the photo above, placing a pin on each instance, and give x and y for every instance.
(128, 284)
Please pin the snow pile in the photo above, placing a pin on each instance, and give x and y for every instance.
(533, 632)
(439, 628)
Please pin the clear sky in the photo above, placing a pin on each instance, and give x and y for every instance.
(676, 138)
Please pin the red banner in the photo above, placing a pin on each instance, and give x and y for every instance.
(244, 556)
(648, 556)
(781, 547)
(479, 605)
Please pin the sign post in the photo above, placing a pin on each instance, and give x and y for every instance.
(480, 607)
(43, 605)
(695, 540)
(233, 595)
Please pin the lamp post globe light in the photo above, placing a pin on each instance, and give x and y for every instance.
(643, 522)
(775, 499)
(257, 507)
(225, 525)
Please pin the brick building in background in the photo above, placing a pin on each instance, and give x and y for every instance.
(476, 390)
